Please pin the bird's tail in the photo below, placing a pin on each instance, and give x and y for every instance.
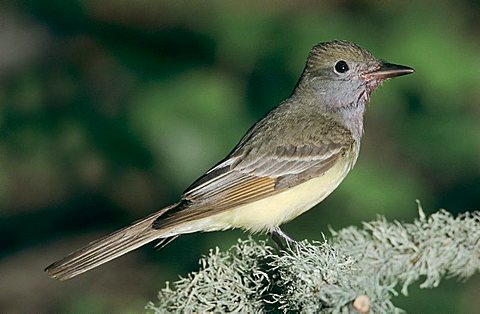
(105, 249)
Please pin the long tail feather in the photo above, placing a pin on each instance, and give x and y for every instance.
(105, 249)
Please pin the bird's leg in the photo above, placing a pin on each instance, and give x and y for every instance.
(281, 239)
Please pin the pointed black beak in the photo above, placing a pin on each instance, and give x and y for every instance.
(389, 70)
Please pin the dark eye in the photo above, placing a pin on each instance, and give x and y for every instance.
(341, 67)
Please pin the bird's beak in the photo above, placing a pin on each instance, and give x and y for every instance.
(389, 70)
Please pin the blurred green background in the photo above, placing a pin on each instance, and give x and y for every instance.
(109, 109)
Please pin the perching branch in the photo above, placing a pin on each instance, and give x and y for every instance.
(357, 270)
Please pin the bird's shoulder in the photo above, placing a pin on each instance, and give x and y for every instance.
(294, 123)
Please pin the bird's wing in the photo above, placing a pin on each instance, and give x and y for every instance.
(243, 178)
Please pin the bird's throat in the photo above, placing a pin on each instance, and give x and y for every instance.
(352, 118)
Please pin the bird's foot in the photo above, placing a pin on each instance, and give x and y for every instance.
(283, 241)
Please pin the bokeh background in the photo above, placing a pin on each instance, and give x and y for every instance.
(109, 109)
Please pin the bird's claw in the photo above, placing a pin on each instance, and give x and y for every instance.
(283, 241)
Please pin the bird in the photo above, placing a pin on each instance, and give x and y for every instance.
(286, 163)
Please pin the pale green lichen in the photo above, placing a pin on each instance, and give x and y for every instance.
(326, 277)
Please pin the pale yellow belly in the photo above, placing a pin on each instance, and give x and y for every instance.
(265, 214)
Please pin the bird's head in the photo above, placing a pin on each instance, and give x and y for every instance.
(342, 75)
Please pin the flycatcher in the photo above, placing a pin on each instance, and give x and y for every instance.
(289, 161)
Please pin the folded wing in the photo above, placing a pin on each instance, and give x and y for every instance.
(241, 179)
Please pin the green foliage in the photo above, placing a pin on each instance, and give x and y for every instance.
(327, 277)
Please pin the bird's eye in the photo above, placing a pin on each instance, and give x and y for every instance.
(341, 67)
